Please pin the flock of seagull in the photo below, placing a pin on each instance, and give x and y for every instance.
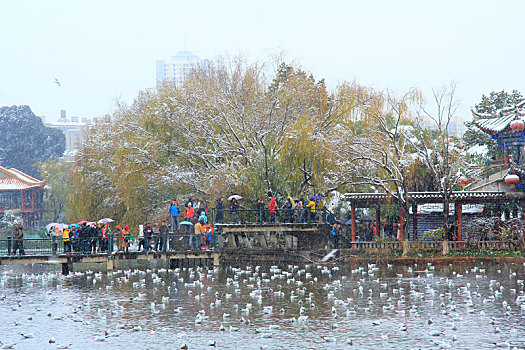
(269, 307)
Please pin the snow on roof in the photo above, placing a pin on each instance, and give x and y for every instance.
(499, 121)
(495, 125)
(14, 179)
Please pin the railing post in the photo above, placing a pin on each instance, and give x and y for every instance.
(261, 215)
(110, 243)
(446, 248)
(164, 242)
(352, 218)
(53, 245)
(9, 245)
(406, 247)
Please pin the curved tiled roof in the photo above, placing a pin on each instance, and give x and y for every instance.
(430, 197)
(14, 179)
(495, 125)
(499, 121)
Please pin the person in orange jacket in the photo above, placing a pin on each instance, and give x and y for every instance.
(272, 206)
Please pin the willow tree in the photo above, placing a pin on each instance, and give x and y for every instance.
(94, 194)
(228, 129)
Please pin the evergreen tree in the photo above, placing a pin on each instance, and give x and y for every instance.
(490, 105)
(25, 140)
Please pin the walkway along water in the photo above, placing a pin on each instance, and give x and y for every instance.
(236, 244)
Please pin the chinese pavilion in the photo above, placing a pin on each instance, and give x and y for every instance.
(506, 127)
(19, 191)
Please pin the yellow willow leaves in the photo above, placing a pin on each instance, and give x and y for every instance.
(229, 129)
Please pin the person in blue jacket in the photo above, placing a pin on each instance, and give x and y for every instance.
(203, 217)
(174, 211)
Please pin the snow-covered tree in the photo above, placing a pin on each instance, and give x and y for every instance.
(387, 145)
(11, 219)
(228, 129)
(443, 154)
(474, 138)
(371, 148)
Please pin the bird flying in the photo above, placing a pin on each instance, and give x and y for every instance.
(57, 82)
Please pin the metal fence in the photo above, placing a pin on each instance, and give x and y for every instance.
(96, 245)
(264, 216)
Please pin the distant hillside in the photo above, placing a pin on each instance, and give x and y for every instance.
(24, 140)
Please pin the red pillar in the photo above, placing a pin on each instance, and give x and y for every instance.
(414, 222)
(523, 219)
(401, 224)
(459, 217)
(352, 217)
(378, 221)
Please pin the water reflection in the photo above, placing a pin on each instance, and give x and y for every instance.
(363, 306)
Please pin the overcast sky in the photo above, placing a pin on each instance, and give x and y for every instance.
(102, 51)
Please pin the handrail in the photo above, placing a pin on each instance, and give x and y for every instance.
(176, 242)
(56, 245)
(266, 216)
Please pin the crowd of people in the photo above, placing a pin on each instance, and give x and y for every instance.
(196, 227)
(152, 237)
(91, 237)
(85, 237)
(294, 210)
(194, 215)
(192, 219)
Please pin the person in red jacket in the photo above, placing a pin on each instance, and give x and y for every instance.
(272, 206)
(189, 212)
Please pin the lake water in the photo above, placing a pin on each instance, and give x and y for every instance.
(466, 306)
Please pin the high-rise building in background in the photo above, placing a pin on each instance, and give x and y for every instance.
(75, 130)
(456, 127)
(177, 69)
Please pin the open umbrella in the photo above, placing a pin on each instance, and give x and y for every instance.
(186, 223)
(207, 237)
(105, 220)
(367, 218)
(317, 197)
(83, 222)
(74, 225)
(53, 224)
(234, 196)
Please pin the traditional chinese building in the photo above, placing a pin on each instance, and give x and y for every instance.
(19, 191)
(506, 127)
(418, 222)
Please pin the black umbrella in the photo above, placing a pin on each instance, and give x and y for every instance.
(367, 218)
